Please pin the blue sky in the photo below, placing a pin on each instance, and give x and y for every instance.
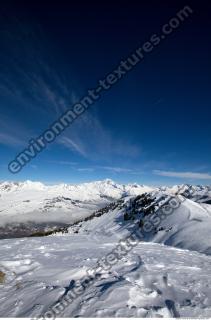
(153, 127)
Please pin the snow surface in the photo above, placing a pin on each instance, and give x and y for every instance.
(166, 275)
(152, 281)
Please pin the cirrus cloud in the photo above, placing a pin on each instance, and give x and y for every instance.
(187, 175)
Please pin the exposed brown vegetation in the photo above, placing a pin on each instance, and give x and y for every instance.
(2, 277)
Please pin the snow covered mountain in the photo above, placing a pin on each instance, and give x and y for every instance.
(86, 190)
(26, 201)
(165, 273)
(198, 193)
(35, 202)
(27, 206)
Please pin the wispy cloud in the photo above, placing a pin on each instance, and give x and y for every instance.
(12, 133)
(86, 169)
(39, 88)
(42, 86)
(187, 175)
(35, 80)
(9, 140)
(117, 169)
(95, 142)
(73, 146)
(63, 162)
(31, 79)
(33, 166)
